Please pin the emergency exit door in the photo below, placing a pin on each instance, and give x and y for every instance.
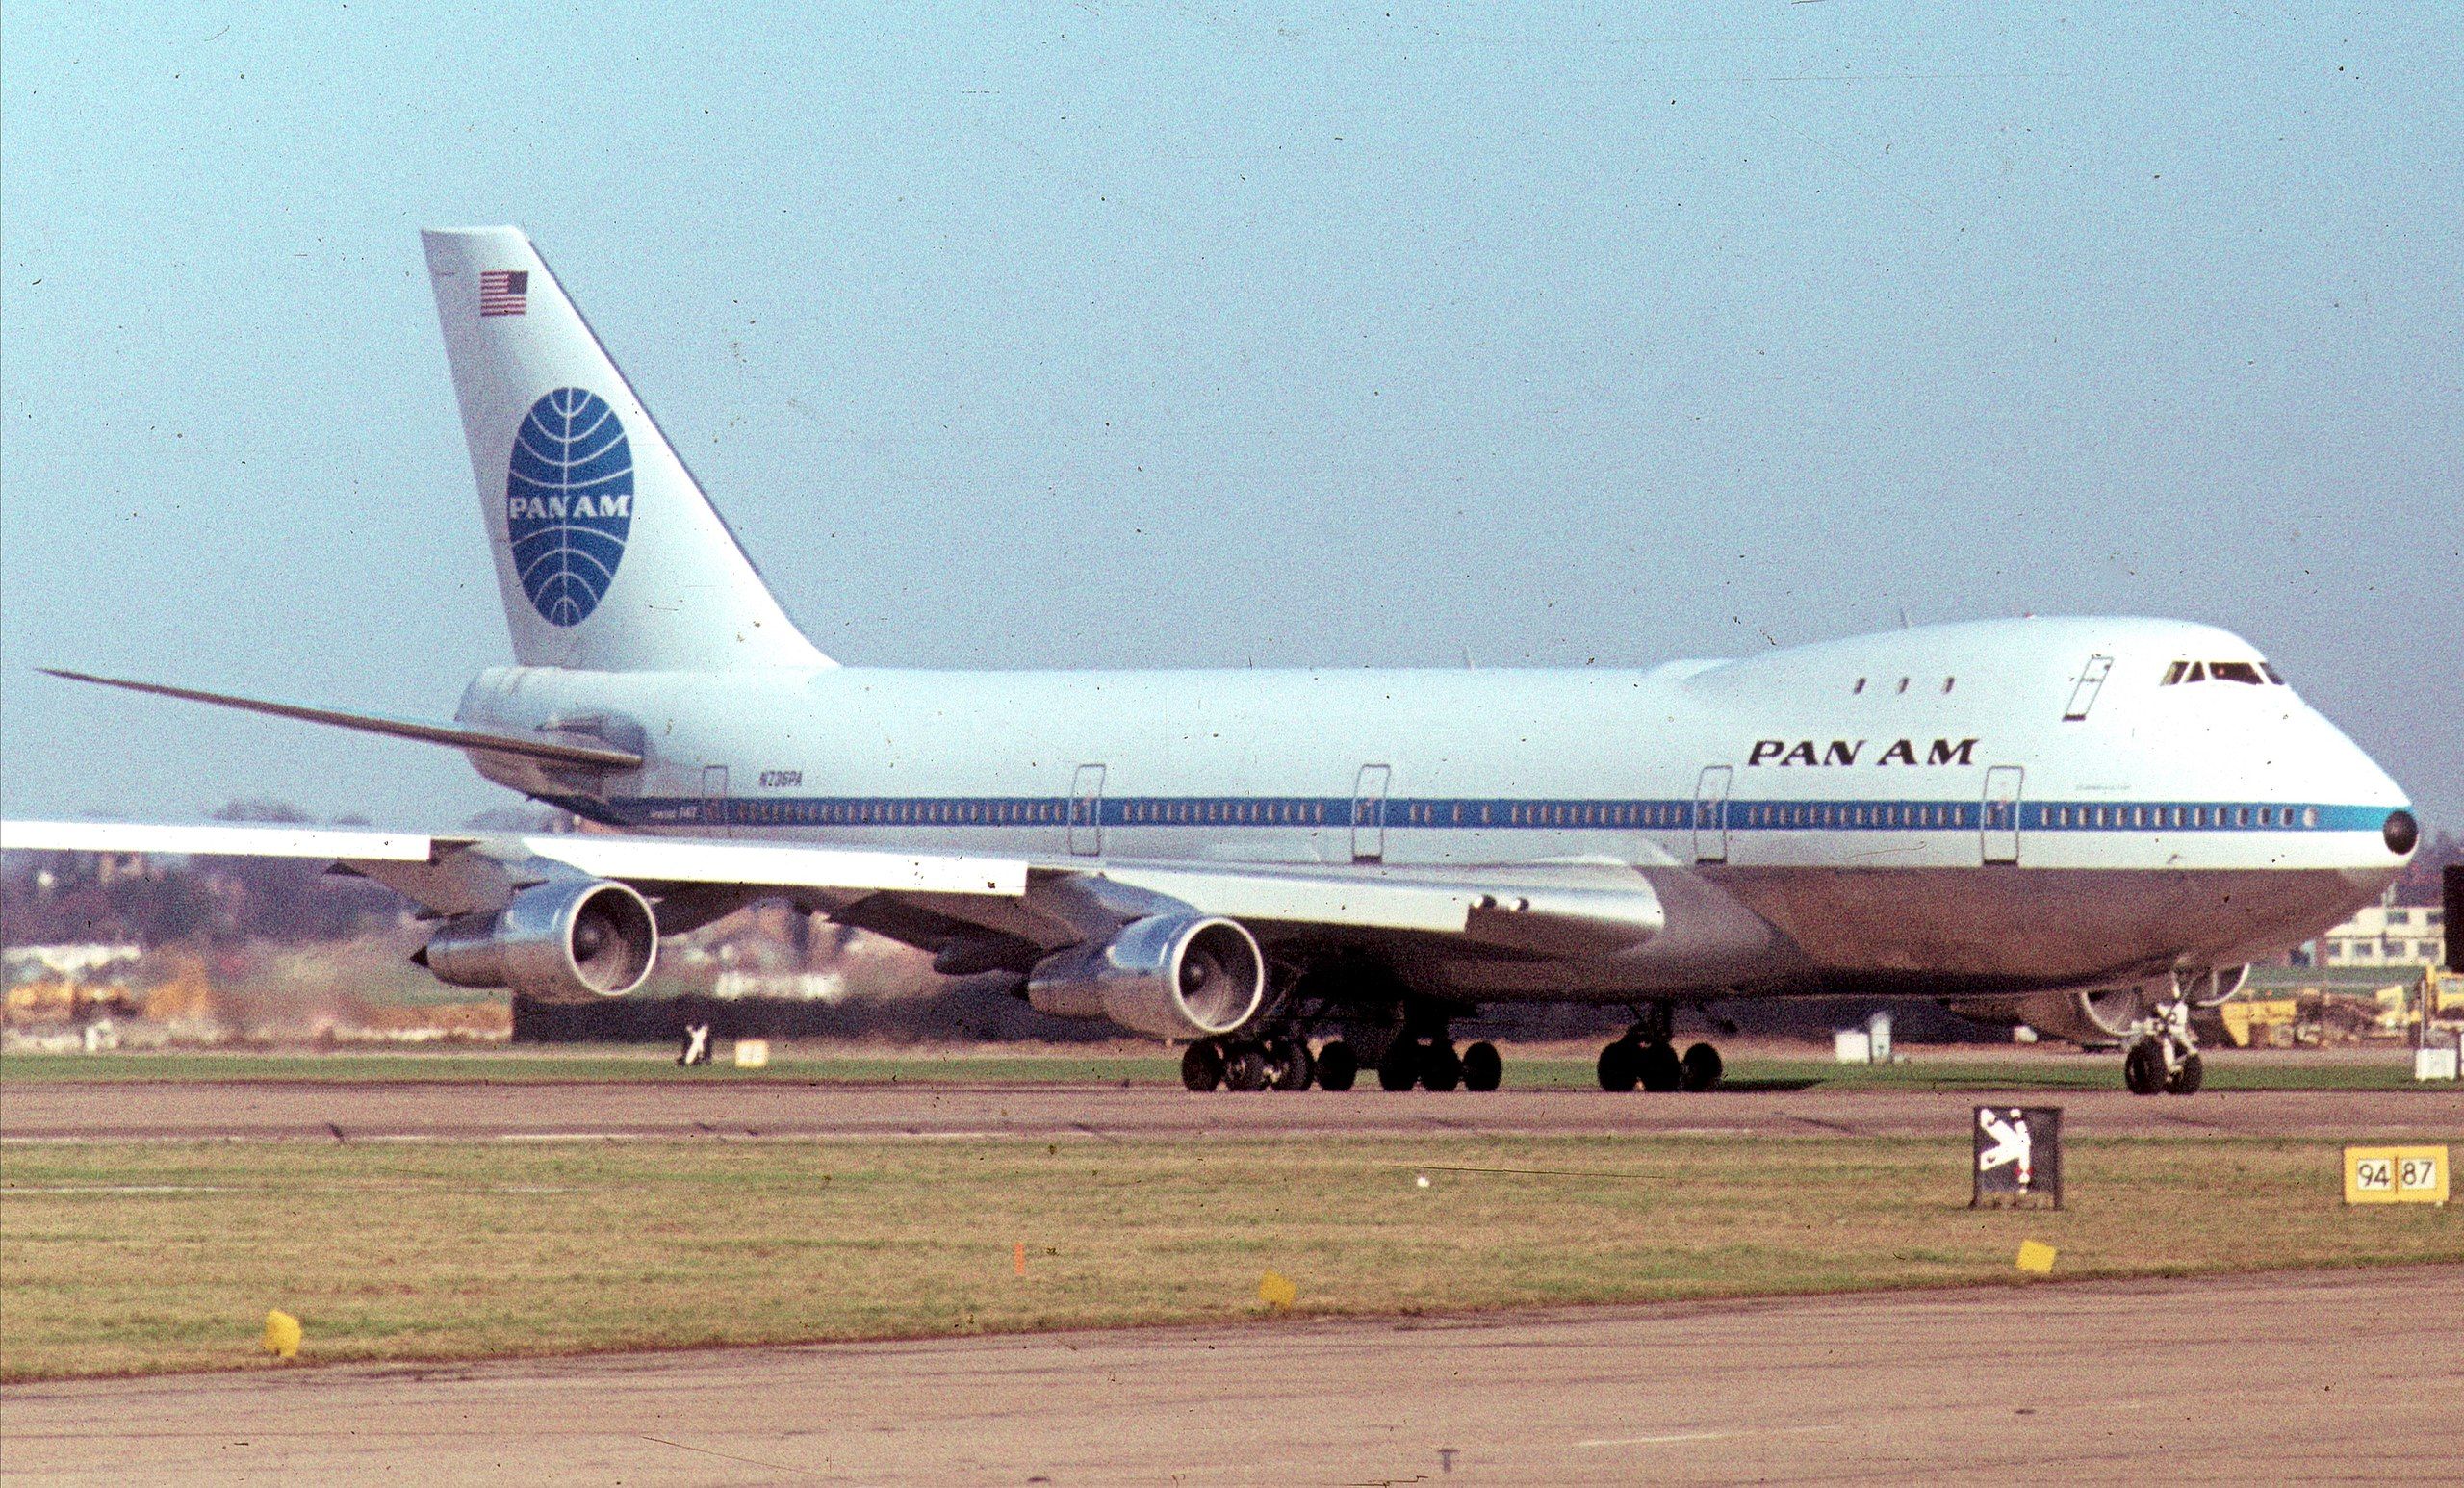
(2000, 814)
(1369, 813)
(1712, 814)
(1086, 811)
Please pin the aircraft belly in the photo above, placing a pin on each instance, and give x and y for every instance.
(1920, 929)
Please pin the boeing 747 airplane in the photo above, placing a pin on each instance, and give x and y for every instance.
(2089, 825)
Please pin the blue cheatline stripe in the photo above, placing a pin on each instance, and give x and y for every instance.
(1475, 813)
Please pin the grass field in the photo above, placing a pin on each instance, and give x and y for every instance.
(139, 1258)
(1946, 1070)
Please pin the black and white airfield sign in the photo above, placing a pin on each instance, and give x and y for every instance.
(2018, 1158)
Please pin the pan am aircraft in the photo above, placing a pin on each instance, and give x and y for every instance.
(2091, 825)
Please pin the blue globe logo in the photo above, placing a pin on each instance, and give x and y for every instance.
(569, 503)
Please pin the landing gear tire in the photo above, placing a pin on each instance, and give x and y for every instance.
(1701, 1067)
(1244, 1068)
(1483, 1069)
(1661, 1070)
(2142, 1068)
(1338, 1066)
(1441, 1067)
(1621, 1066)
(2186, 1080)
(1288, 1067)
(1400, 1068)
(1202, 1065)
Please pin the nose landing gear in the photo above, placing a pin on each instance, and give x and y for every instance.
(2161, 1055)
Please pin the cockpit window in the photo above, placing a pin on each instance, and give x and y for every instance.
(2253, 673)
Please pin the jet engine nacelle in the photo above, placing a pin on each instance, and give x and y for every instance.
(1175, 975)
(559, 942)
(2076, 1018)
(2106, 1015)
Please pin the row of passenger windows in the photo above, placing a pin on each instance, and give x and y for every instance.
(1462, 813)
(897, 814)
(2251, 673)
(1544, 814)
(1260, 813)
(1937, 814)
(2160, 816)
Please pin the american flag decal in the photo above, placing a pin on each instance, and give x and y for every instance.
(504, 291)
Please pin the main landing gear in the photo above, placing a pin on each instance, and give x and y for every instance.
(1433, 1064)
(1647, 1056)
(1403, 1041)
(1283, 1061)
(2161, 1055)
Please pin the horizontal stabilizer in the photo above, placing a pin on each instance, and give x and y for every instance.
(582, 755)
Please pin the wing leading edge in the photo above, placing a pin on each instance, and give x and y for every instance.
(1576, 910)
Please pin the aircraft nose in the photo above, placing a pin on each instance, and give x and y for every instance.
(2402, 832)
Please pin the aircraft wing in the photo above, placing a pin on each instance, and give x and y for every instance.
(1007, 909)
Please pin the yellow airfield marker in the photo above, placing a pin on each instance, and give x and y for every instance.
(1018, 1259)
(2395, 1175)
(2035, 1257)
(282, 1335)
(1277, 1290)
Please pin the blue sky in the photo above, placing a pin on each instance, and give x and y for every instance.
(1130, 336)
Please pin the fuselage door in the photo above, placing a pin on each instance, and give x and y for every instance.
(714, 801)
(2083, 692)
(1369, 813)
(1086, 811)
(2000, 818)
(1712, 814)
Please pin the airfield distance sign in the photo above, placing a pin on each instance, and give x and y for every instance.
(2018, 1158)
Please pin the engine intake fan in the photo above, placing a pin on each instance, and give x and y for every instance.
(557, 942)
(1172, 975)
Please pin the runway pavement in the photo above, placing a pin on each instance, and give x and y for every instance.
(736, 1109)
(2280, 1378)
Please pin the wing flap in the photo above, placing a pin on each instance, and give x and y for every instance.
(1347, 899)
(1579, 910)
(668, 861)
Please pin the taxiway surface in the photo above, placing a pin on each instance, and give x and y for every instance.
(742, 1110)
(2284, 1377)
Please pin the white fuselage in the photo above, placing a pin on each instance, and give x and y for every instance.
(2010, 804)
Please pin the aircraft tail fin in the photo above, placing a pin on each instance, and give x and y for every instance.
(608, 555)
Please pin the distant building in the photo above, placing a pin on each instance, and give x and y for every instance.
(2387, 935)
